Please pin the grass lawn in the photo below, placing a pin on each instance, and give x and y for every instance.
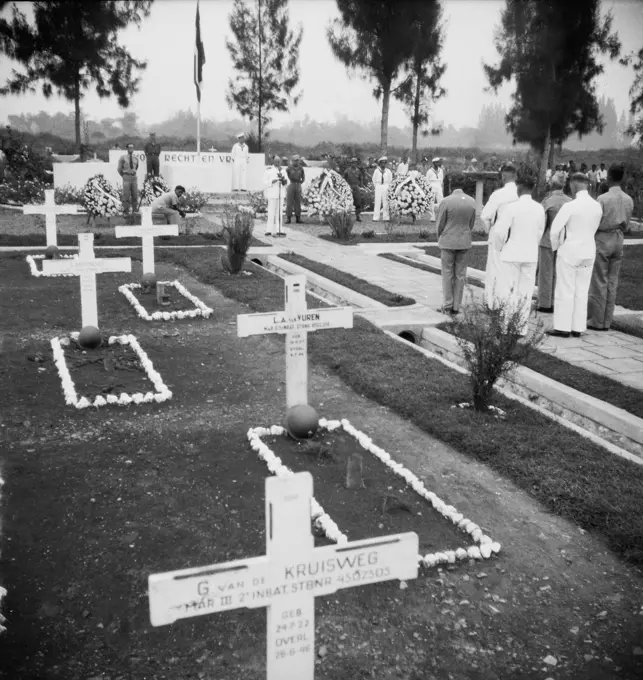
(477, 256)
(97, 500)
(17, 229)
(425, 267)
(400, 234)
(598, 491)
(353, 282)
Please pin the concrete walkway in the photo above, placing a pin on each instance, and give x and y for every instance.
(613, 354)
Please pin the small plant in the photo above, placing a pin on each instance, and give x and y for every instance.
(70, 195)
(341, 223)
(193, 200)
(258, 202)
(238, 223)
(492, 346)
(424, 235)
(389, 225)
(368, 234)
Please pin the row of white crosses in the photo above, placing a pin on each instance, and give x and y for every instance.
(293, 572)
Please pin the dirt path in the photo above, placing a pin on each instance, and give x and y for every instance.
(170, 488)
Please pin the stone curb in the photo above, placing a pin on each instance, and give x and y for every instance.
(598, 417)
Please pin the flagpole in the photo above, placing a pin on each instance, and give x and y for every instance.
(198, 126)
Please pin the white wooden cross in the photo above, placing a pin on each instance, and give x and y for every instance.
(50, 210)
(147, 231)
(86, 265)
(296, 322)
(286, 580)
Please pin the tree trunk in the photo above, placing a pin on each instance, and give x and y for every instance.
(542, 169)
(77, 112)
(416, 116)
(386, 97)
(259, 119)
(552, 153)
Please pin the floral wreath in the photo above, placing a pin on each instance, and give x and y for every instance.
(153, 187)
(410, 194)
(100, 198)
(329, 193)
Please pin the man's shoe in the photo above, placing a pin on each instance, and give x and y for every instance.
(288, 221)
(558, 334)
(596, 328)
(454, 312)
(445, 310)
(575, 334)
(281, 233)
(546, 310)
(358, 219)
(298, 220)
(268, 233)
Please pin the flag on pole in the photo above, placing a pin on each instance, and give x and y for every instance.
(199, 57)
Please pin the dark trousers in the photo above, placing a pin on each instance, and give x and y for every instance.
(357, 200)
(546, 276)
(602, 289)
(293, 200)
(454, 277)
(152, 165)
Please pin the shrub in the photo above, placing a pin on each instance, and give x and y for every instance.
(341, 224)
(22, 192)
(369, 234)
(367, 194)
(238, 222)
(491, 345)
(258, 202)
(193, 200)
(70, 195)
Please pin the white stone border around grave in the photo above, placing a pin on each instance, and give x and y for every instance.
(71, 397)
(201, 310)
(485, 545)
(31, 261)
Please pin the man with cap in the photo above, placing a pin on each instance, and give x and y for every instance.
(403, 166)
(572, 235)
(517, 233)
(152, 153)
(617, 209)
(274, 181)
(473, 166)
(354, 177)
(494, 208)
(240, 160)
(382, 179)
(435, 178)
(293, 192)
(547, 257)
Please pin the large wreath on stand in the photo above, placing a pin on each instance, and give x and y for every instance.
(410, 194)
(153, 187)
(101, 199)
(327, 194)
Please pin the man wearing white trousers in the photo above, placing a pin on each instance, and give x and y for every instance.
(240, 160)
(435, 178)
(382, 178)
(275, 181)
(517, 234)
(497, 203)
(572, 236)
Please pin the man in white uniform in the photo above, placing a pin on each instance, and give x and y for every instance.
(275, 182)
(496, 204)
(435, 178)
(403, 167)
(517, 234)
(240, 159)
(572, 235)
(382, 178)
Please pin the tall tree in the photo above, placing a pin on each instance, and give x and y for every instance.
(635, 129)
(373, 37)
(265, 55)
(551, 51)
(72, 47)
(423, 70)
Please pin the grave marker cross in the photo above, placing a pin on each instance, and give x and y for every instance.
(296, 322)
(50, 210)
(286, 580)
(147, 231)
(86, 266)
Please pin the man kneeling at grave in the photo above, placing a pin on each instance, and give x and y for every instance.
(167, 205)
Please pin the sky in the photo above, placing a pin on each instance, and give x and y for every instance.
(166, 40)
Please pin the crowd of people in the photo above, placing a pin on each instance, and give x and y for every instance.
(572, 242)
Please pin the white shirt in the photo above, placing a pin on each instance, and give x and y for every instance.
(602, 175)
(572, 231)
(382, 178)
(518, 231)
(402, 168)
(435, 175)
(271, 187)
(548, 174)
(240, 152)
(495, 205)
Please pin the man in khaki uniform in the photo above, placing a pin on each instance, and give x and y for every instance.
(127, 167)
(617, 210)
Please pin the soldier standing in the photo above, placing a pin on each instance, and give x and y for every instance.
(355, 178)
(296, 177)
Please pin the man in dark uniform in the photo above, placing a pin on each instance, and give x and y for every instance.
(355, 178)
(296, 178)
(152, 152)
